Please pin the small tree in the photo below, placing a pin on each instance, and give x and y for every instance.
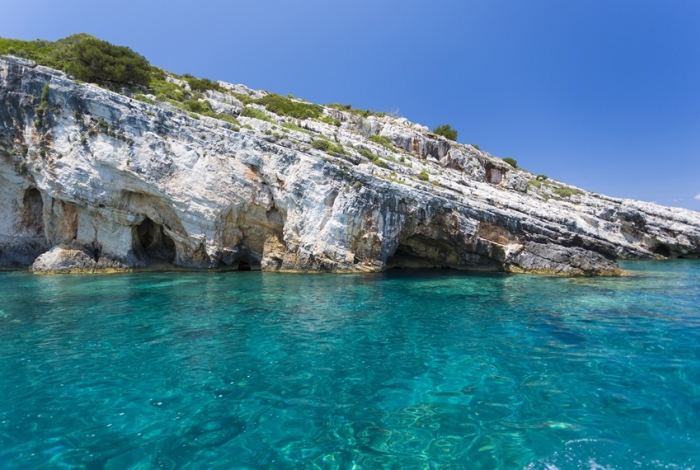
(94, 60)
(511, 161)
(446, 131)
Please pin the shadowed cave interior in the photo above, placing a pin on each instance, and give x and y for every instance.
(151, 244)
(33, 212)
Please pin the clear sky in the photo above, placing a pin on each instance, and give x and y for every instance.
(601, 94)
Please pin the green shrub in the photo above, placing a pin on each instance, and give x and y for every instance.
(157, 74)
(143, 98)
(328, 147)
(475, 146)
(255, 113)
(424, 175)
(535, 182)
(331, 121)
(358, 112)
(511, 161)
(337, 149)
(222, 117)
(164, 90)
(320, 144)
(201, 84)
(542, 177)
(42, 111)
(87, 58)
(294, 127)
(283, 106)
(245, 99)
(99, 61)
(566, 192)
(446, 131)
(372, 157)
(34, 50)
(198, 106)
(383, 140)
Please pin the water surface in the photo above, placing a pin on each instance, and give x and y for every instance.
(399, 370)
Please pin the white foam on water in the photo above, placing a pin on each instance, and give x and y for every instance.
(600, 454)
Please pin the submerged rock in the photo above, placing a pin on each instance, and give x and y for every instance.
(93, 180)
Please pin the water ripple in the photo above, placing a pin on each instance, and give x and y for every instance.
(398, 370)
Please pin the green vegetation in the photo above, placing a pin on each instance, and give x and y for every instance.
(85, 57)
(511, 161)
(424, 175)
(383, 140)
(446, 131)
(34, 50)
(198, 106)
(99, 61)
(357, 112)
(283, 106)
(535, 182)
(294, 127)
(542, 177)
(320, 144)
(566, 192)
(328, 147)
(372, 157)
(224, 117)
(43, 110)
(245, 99)
(475, 146)
(143, 98)
(255, 113)
(164, 90)
(330, 120)
(201, 84)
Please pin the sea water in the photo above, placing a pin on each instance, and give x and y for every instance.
(435, 369)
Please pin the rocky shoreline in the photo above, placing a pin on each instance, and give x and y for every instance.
(97, 181)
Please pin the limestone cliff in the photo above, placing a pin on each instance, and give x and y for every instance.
(95, 180)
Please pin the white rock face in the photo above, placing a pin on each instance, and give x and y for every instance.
(101, 182)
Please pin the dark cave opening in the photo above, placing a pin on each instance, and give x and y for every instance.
(418, 253)
(422, 252)
(244, 266)
(152, 244)
(33, 212)
(662, 250)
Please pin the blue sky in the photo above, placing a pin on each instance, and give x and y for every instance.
(601, 94)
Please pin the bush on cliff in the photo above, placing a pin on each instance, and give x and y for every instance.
(446, 131)
(99, 61)
(201, 84)
(85, 57)
(511, 161)
(283, 106)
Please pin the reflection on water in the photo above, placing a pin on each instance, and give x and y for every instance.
(398, 370)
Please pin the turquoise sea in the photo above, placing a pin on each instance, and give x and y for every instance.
(401, 370)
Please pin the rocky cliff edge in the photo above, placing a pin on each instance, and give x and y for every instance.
(92, 180)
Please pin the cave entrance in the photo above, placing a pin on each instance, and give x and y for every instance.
(152, 244)
(33, 213)
(240, 258)
(243, 266)
(662, 250)
(419, 252)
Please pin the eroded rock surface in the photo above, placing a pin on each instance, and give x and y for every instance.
(97, 181)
